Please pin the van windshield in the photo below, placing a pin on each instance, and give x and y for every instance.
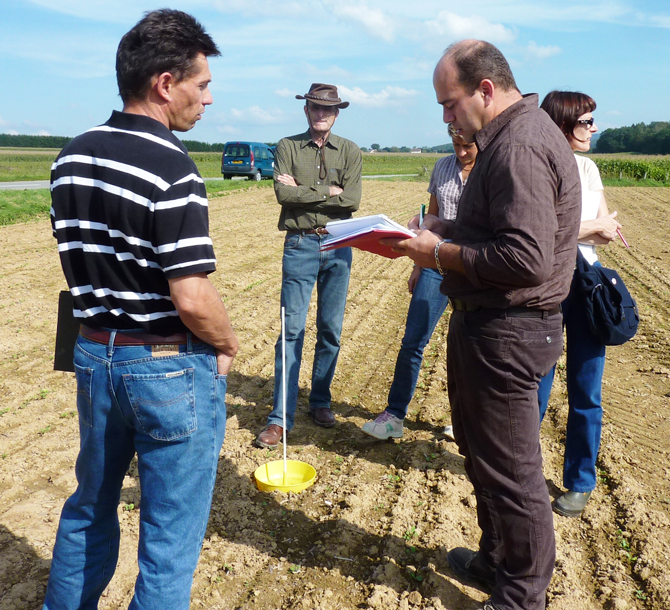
(237, 150)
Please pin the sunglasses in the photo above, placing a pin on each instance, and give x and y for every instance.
(588, 123)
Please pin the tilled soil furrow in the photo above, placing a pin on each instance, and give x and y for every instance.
(374, 529)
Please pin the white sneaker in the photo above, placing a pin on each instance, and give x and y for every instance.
(384, 426)
(449, 433)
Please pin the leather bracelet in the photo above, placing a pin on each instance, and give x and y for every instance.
(437, 258)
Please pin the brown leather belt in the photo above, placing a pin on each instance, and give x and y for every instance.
(512, 312)
(317, 231)
(102, 336)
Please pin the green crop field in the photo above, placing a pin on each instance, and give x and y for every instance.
(25, 164)
(28, 164)
(35, 164)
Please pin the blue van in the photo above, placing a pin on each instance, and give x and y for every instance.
(251, 159)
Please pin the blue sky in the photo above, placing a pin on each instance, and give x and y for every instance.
(57, 61)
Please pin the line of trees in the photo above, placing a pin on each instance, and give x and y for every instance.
(195, 146)
(440, 148)
(21, 141)
(651, 139)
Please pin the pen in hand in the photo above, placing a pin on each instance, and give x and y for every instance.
(422, 213)
(623, 240)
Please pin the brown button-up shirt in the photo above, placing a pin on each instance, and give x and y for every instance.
(310, 205)
(519, 215)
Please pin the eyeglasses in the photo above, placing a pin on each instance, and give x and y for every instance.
(588, 123)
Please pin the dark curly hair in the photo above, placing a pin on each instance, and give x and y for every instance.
(163, 41)
(565, 108)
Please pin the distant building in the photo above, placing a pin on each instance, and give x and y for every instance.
(416, 151)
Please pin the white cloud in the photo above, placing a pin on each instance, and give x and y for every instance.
(119, 11)
(284, 92)
(255, 115)
(452, 26)
(13, 132)
(374, 21)
(43, 132)
(661, 21)
(614, 113)
(228, 130)
(390, 96)
(79, 57)
(258, 8)
(542, 52)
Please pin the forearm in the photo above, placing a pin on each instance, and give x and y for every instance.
(301, 196)
(202, 311)
(426, 248)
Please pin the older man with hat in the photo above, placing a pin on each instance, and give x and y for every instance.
(317, 179)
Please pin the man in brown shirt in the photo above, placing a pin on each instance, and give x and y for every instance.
(507, 269)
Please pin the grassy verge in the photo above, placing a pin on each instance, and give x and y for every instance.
(216, 188)
(20, 206)
(629, 182)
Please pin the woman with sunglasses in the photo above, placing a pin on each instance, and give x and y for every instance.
(585, 355)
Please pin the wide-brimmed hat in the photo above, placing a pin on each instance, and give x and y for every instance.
(324, 95)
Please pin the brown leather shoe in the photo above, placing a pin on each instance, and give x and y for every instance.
(269, 437)
(323, 417)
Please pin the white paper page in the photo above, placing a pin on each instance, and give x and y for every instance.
(337, 228)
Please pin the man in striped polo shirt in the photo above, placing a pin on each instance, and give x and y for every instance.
(129, 210)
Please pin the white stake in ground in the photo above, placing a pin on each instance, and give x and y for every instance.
(283, 384)
(294, 476)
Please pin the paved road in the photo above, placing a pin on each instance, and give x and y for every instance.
(21, 186)
(44, 184)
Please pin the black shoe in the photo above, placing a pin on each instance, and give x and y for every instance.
(571, 503)
(470, 567)
(323, 417)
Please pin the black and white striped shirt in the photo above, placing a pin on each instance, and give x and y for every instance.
(447, 185)
(129, 210)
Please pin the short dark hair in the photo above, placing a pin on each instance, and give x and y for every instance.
(476, 60)
(565, 108)
(163, 41)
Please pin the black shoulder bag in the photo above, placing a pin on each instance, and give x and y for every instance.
(611, 310)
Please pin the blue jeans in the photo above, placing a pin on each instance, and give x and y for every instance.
(425, 309)
(585, 364)
(171, 411)
(302, 267)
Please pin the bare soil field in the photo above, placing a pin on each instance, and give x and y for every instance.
(374, 529)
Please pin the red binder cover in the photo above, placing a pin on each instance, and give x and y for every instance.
(368, 240)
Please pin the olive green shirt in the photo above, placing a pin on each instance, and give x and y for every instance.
(309, 205)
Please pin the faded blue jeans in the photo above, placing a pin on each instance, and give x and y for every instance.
(425, 310)
(303, 266)
(584, 368)
(171, 411)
